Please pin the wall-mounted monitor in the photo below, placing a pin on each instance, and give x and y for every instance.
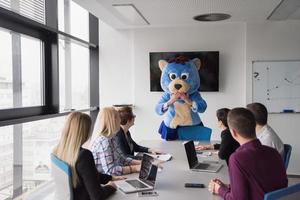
(208, 73)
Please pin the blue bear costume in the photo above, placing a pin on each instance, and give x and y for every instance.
(180, 79)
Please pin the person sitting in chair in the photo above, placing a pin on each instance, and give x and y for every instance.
(107, 154)
(228, 144)
(86, 180)
(126, 143)
(266, 135)
(254, 169)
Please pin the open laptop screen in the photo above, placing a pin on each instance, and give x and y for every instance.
(148, 170)
(191, 153)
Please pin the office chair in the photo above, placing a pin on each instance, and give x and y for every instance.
(288, 193)
(287, 155)
(194, 133)
(62, 175)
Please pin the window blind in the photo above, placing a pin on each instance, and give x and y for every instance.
(33, 9)
(5, 4)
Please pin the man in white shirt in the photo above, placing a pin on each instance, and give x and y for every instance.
(264, 132)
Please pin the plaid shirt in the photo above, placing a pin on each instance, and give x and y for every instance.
(108, 157)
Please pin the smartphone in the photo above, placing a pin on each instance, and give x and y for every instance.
(147, 194)
(194, 185)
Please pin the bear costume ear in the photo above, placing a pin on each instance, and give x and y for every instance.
(197, 63)
(162, 64)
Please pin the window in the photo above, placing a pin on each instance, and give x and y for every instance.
(6, 164)
(6, 90)
(32, 74)
(21, 75)
(41, 76)
(39, 139)
(74, 76)
(74, 63)
(73, 19)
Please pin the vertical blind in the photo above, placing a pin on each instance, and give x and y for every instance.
(33, 9)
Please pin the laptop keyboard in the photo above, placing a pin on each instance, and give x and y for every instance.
(136, 184)
(202, 166)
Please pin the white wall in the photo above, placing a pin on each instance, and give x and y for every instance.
(116, 66)
(124, 68)
(228, 39)
(125, 73)
(276, 41)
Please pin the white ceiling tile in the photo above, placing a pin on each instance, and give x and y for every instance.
(181, 12)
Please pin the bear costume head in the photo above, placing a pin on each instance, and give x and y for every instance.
(180, 75)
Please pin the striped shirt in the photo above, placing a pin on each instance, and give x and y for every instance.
(108, 157)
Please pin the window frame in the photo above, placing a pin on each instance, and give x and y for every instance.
(19, 24)
(49, 35)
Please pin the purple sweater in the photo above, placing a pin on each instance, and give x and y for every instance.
(254, 169)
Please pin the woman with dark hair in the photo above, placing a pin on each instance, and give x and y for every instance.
(126, 143)
(228, 144)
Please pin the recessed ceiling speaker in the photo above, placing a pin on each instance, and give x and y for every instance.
(212, 17)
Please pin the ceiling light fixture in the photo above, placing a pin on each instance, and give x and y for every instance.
(131, 13)
(212, 17)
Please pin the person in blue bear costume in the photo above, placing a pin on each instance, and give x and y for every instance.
(181, 101)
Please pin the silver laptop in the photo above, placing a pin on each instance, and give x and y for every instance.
(194, 164)
(146, 180)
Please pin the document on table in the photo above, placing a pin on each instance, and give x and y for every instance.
(162, 157)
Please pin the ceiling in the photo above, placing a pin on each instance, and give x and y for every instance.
(162, 13)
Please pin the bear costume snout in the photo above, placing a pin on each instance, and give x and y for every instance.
(178, 85)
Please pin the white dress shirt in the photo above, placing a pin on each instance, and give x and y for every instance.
(268, 137)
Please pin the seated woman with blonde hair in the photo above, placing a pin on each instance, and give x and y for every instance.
(107, 154)
(86, 180)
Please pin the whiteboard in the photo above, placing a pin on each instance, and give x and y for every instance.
(276, 84)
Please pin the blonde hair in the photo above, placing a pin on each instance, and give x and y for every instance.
(76, 131)
(107, 123)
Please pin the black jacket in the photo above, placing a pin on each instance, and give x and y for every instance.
(89, 187)
(228, 145)
(125, 146)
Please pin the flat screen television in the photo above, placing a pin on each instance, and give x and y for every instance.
(208, 73)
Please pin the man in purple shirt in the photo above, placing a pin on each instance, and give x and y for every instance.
(254, 169)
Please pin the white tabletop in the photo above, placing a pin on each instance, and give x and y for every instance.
(170, 181)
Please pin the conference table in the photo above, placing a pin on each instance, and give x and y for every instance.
(170, 180)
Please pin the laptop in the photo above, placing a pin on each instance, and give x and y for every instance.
(146, 180)
(194, 164)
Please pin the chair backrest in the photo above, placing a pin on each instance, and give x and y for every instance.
(194, 133)
(62, 175)
(287, 155)
(288, 193)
